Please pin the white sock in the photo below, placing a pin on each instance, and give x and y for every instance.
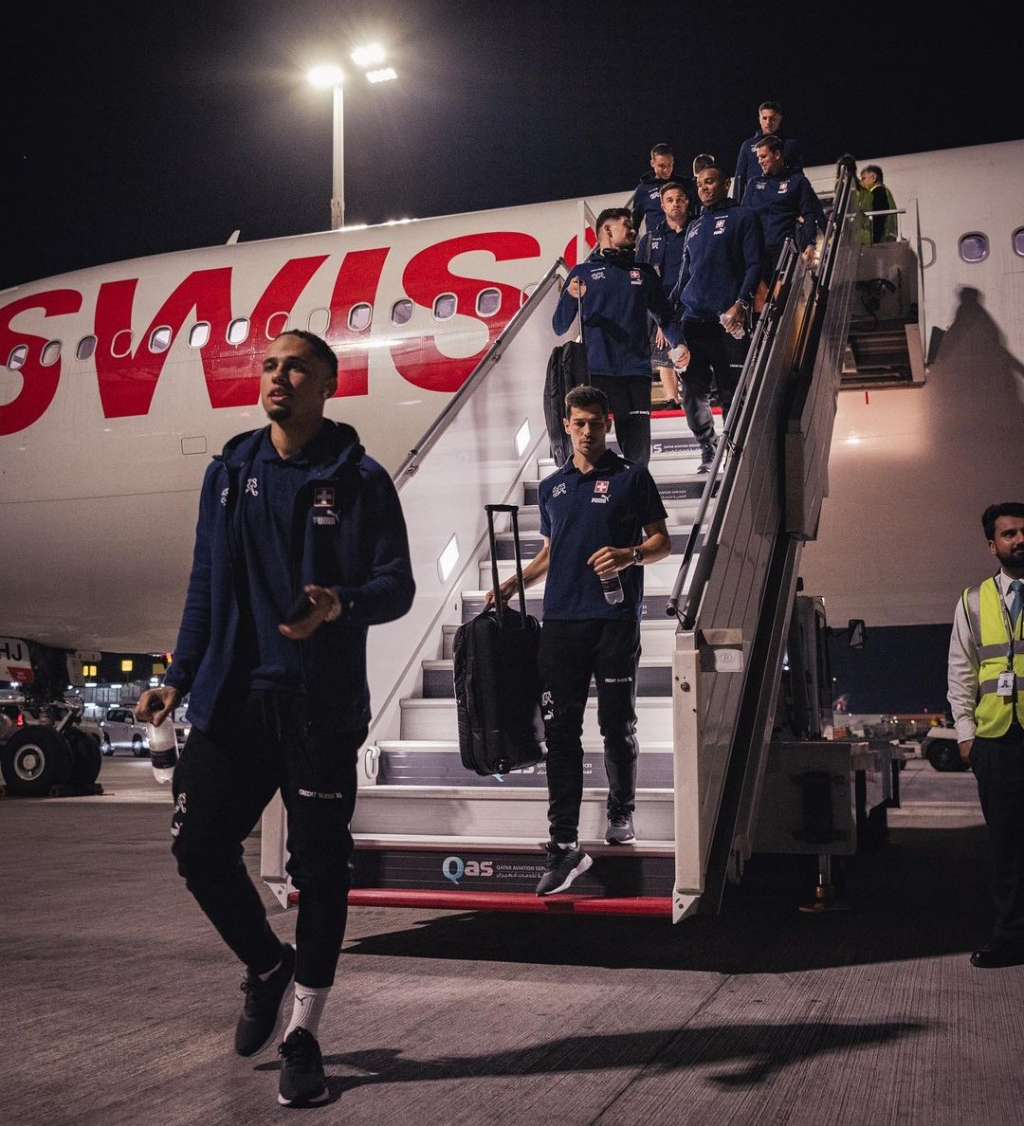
(307, 1009)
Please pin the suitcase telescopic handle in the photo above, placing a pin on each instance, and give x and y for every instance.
(513, 511)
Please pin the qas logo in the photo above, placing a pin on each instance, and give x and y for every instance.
(454, 868)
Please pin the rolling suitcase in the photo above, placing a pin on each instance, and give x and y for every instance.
(497, 682)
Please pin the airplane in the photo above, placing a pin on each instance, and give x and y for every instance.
(119, 382)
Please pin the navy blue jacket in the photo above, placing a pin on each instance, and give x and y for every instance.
(721, 261)
(781, 202)
(746, 163)
(646, 202)
(620, 293)
(356, 544)
(662, 246)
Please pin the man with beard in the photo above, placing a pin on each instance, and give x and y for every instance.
(300, 547)
(614, 293)
(986, 681)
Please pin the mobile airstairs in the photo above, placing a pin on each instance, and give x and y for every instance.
(715, 621)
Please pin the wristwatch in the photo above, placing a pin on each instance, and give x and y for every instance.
(638, 557)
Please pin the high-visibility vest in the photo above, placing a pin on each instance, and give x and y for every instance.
(987, 619)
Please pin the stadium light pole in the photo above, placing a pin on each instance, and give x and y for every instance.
(370, 61)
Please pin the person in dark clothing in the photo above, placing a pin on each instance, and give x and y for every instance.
(662, 247)
(986, 695)
(616, 293)
(769, 116)
(300, 547)
(600, 518)
(786, 204)
(645, 204)
(717, 279)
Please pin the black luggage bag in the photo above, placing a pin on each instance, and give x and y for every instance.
(567, 368)
(497, 681)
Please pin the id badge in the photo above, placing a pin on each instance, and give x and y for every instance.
(1004, 685)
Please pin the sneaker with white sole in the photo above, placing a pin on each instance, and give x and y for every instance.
(561, 867)
(264, 1002)
(302, 1081)
(620, 829)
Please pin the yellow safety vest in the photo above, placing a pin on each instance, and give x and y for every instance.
(988, 622)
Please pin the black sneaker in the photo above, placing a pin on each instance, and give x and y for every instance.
(707, 454)
(561, 867)
(620, 829)
(302, 1081)
(264, 1001)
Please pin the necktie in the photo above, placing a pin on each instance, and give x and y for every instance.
(1017, 587)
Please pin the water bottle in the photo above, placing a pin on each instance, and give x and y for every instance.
(163, 749)
(734, 328)
(612, 587)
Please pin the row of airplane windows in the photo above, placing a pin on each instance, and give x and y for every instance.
(973, 247)
(360, 317)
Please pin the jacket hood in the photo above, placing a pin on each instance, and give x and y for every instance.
(340, 440)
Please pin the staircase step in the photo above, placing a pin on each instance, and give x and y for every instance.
(654, 678)
(658, 636)
(422, 763)
(652, 608)
(435, 720)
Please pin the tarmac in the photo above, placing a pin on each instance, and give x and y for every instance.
(119, 1001)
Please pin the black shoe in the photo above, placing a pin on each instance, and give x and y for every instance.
(997, 955)
(562, 866)
(264, 1000)
(302, 1081)
(620, 829)
(707, 454)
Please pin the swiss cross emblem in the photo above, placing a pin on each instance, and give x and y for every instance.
(634, 273)
(600, 486)
(323, 497)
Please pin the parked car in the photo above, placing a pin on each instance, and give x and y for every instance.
(941, 749)
(119, 730)
(13, 717)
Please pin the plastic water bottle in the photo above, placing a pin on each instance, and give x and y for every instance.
(612, 587)
(163, 749)
(733, 328)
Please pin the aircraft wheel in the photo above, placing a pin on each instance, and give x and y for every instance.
(138, 750)
(85, 751)
(34, 761)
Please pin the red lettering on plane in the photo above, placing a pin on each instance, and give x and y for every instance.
(419, 360)
(356, 284)
(39, 383)
(127, 382)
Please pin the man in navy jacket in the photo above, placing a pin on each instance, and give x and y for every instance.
(719, 274)
(646, 201)
(785, 203)
(616, 293)
(769, 116)
(300, 547)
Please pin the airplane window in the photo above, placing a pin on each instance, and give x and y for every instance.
(488, 302)
(444, 306)
(1018, 242)
(51, 354)
(199, 334)
(18, 357)
(319, 321)
(86, 347)
(974, 247)
(238, 330)
(276, 324)
(401, 312)
(360, 316)
(121, 345)
(160, 339)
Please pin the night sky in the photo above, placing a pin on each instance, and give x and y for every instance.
(133, 129)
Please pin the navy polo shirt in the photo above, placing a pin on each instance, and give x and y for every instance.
(582, 512)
